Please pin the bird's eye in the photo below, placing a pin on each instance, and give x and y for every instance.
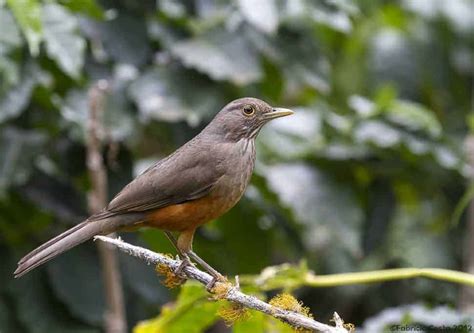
(248, 110)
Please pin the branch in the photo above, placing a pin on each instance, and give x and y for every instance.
(115, 321)
(233, 294)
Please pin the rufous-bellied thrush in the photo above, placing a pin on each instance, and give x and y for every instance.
(199, 182)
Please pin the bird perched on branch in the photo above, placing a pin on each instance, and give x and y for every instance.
(199, 182)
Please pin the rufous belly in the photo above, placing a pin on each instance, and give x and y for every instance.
(188, 215)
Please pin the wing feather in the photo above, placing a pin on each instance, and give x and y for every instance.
(186, 175)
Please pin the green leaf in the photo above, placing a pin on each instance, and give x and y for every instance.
(116, 118)
(15, 100)
(192, 313)
(302, 67)
(74, 111)
(337, 20)
(315, 198)
(272, 85)
(174, 95)
(385, 96)
(262, 14)
(346, 6)
(89, 7)
(415, 117)
(9, 76)
(470, 122)
(9, 34)
(285, 276)
(255, 324)
(125, 38)
(391, 60)
(293, 137)
(172, 8)
(310, 12)
(28, 16)
(63, 44)
(457, 14)
(378, 133)
(447, 157)
(261, 323)
(222, 56)
(18, 149)
(411, 237)
(277, 326)
(364, 107)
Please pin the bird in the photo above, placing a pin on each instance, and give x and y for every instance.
(197, 183)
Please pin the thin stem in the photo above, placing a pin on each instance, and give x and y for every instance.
(387, 275)
(115, 318)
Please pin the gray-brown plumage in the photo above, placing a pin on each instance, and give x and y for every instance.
(198, 182)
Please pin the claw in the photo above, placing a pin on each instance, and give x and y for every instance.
(185, 262)
(215, 278)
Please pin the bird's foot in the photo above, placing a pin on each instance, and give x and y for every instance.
(216, 276)
(219, 287)
(185, 262)
(174, 278)
(170, 278)
(216, 279)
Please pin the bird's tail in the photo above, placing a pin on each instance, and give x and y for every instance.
(61, 243)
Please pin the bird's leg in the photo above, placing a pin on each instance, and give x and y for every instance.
(185, 261)
(173, 241)
(216, 276)
(184, 247)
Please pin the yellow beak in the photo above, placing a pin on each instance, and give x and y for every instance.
(277, 113)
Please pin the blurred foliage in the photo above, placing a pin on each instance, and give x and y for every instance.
(366, 175)
(192, 313)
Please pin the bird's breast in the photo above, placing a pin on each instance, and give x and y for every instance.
(239, 166)
(236, 162)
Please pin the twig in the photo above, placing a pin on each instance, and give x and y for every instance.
(388, 275)
(277, 277)
(115, 319)
(233, 294)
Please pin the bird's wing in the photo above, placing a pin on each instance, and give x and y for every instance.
(186, 175)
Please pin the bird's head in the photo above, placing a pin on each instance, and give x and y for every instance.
(243, 118)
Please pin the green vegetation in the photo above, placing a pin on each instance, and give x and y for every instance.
(369, 173)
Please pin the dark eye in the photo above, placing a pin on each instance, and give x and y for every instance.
(248, 110)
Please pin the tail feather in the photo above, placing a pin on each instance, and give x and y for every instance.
(61, 243)
(51, 242)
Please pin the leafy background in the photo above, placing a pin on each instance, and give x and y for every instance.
(366, 175)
